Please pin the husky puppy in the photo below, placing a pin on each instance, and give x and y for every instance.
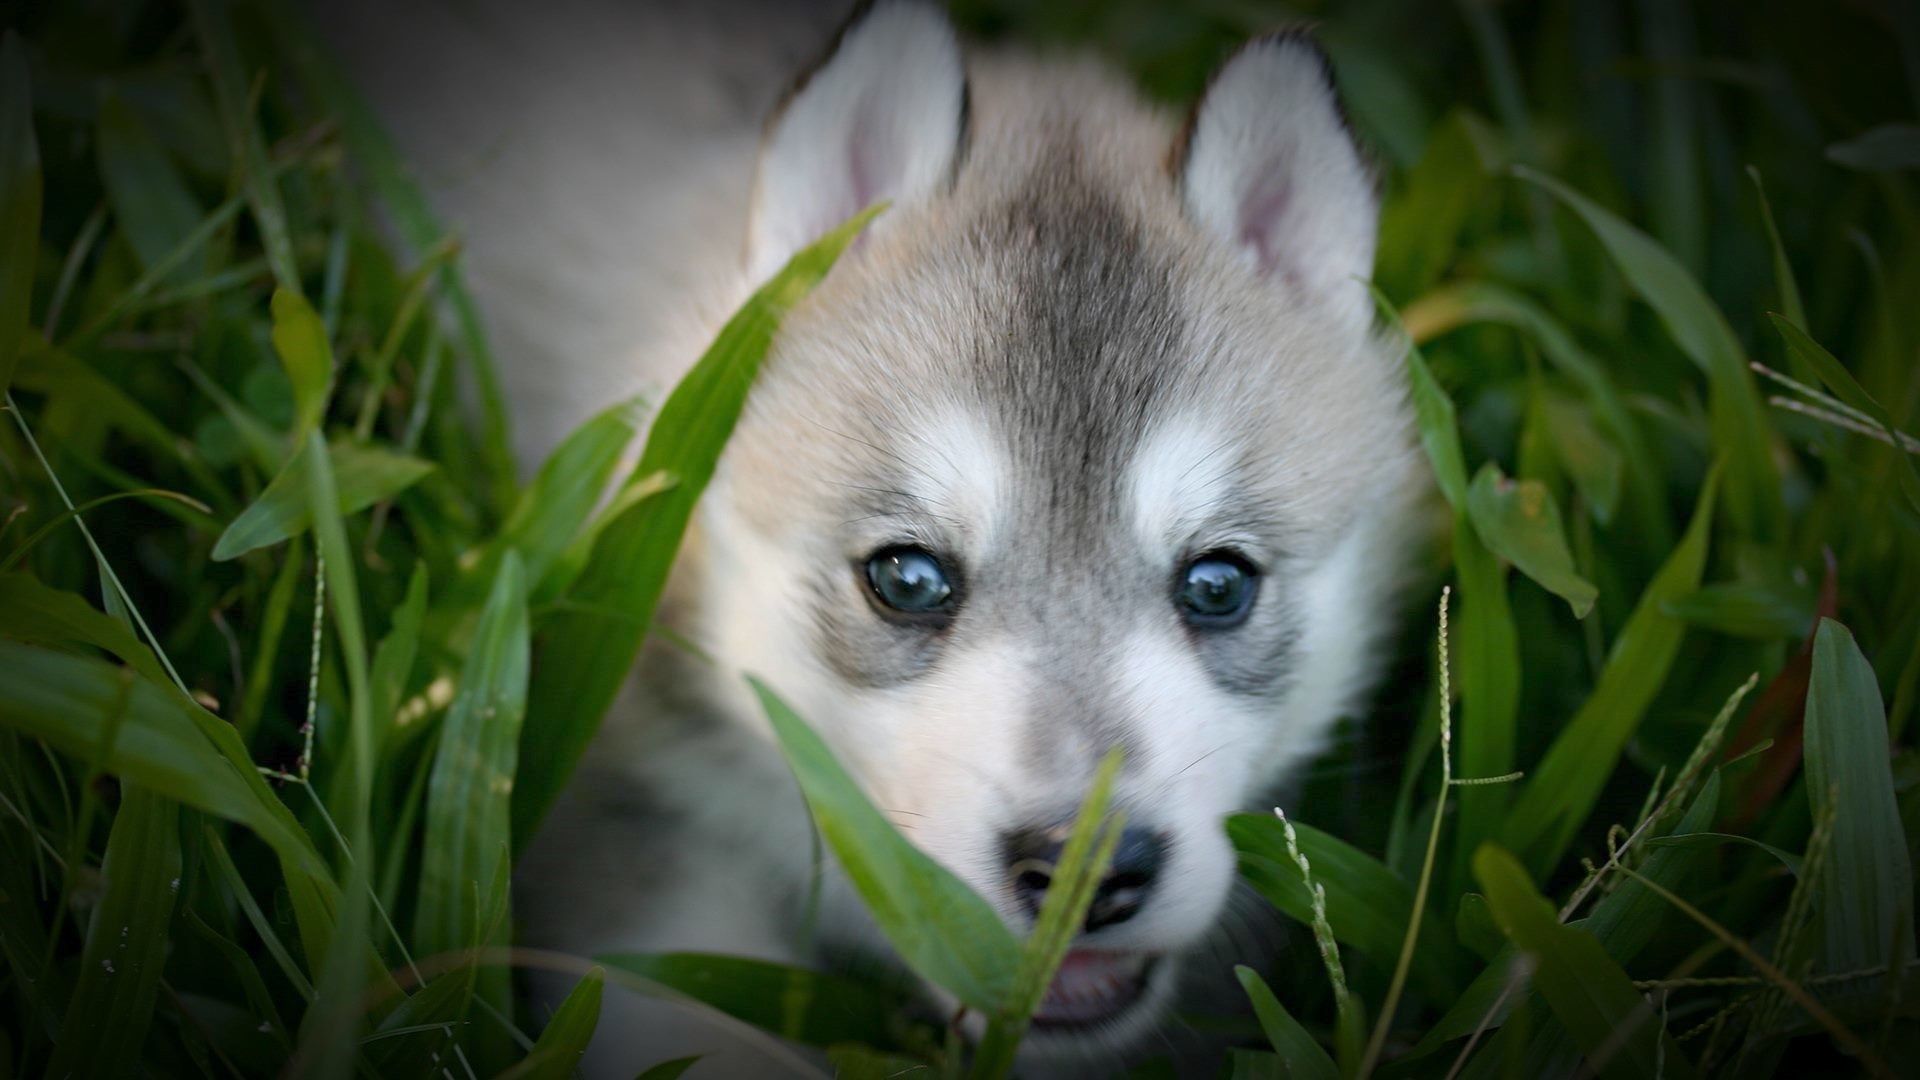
(1088, 442)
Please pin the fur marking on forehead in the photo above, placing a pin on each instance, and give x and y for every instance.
(1089, 346)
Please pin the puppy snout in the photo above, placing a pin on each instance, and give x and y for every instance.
(1032, 853)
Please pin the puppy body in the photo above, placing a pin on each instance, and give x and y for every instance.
(1086, 354)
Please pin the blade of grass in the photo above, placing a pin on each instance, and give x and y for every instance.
(585, 656)
(1303, 1058)
(1867, 880)
(1740, 433)
(1063, 911)
(1519, 521)
(330, 1030)
(942, 930)
(1588, 993)
(366, 475)
(808, 1007)
(468, 794)
(151, 203)
(113, 1001)
(565, 1039)
(300, 340)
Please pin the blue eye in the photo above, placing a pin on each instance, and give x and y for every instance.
(909, 580)
(1216, 590)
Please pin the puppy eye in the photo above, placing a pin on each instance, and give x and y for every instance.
(909, 580)
(1216, 590)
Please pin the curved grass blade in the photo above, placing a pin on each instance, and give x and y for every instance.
(808, 1007)
(564, 1041)
(1303, 1058)
(1740, 432)
(365, 475)
(1520, 522)
(585, 653)
(1588, 993)
(942, 930)
(1368, 905)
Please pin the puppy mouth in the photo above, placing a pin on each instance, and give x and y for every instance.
(1092, 987)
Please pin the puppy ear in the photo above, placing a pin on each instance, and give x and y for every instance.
(1271, 168)
(882, 117)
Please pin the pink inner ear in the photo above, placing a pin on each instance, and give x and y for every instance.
(867, 165)
(1261, 213)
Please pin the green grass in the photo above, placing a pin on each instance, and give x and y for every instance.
(290, 657)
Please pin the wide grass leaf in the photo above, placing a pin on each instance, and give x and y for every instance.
(112, 1005)
(364, 475)
(1588, 992)
(1303, 1058)
(1866, 881)
(564, 1040)
(150, 199)
(941, 928)
(1520, 522)
(587, 649)
(1740, 431)
(799, 1005)
(70, 700)
(19, 203)
(300, 340)
(470, 789)
(1562, 789)
(1368, 906)
(554, 509)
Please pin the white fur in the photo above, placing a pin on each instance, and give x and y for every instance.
(1272, 170)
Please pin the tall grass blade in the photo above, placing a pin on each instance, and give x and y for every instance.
(1588, 993)
(942, 930)
(469, 792)
(1083, 863)
(112, 1006)
(1740, 432)
(585, 653)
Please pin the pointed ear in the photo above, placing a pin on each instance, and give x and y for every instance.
(883, 117)
(1271, 168)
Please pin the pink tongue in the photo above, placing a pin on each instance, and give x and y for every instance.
(1089, 985)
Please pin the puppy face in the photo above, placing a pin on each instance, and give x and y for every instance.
(1073, 452)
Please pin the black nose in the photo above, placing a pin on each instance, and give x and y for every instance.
(1031, 854)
